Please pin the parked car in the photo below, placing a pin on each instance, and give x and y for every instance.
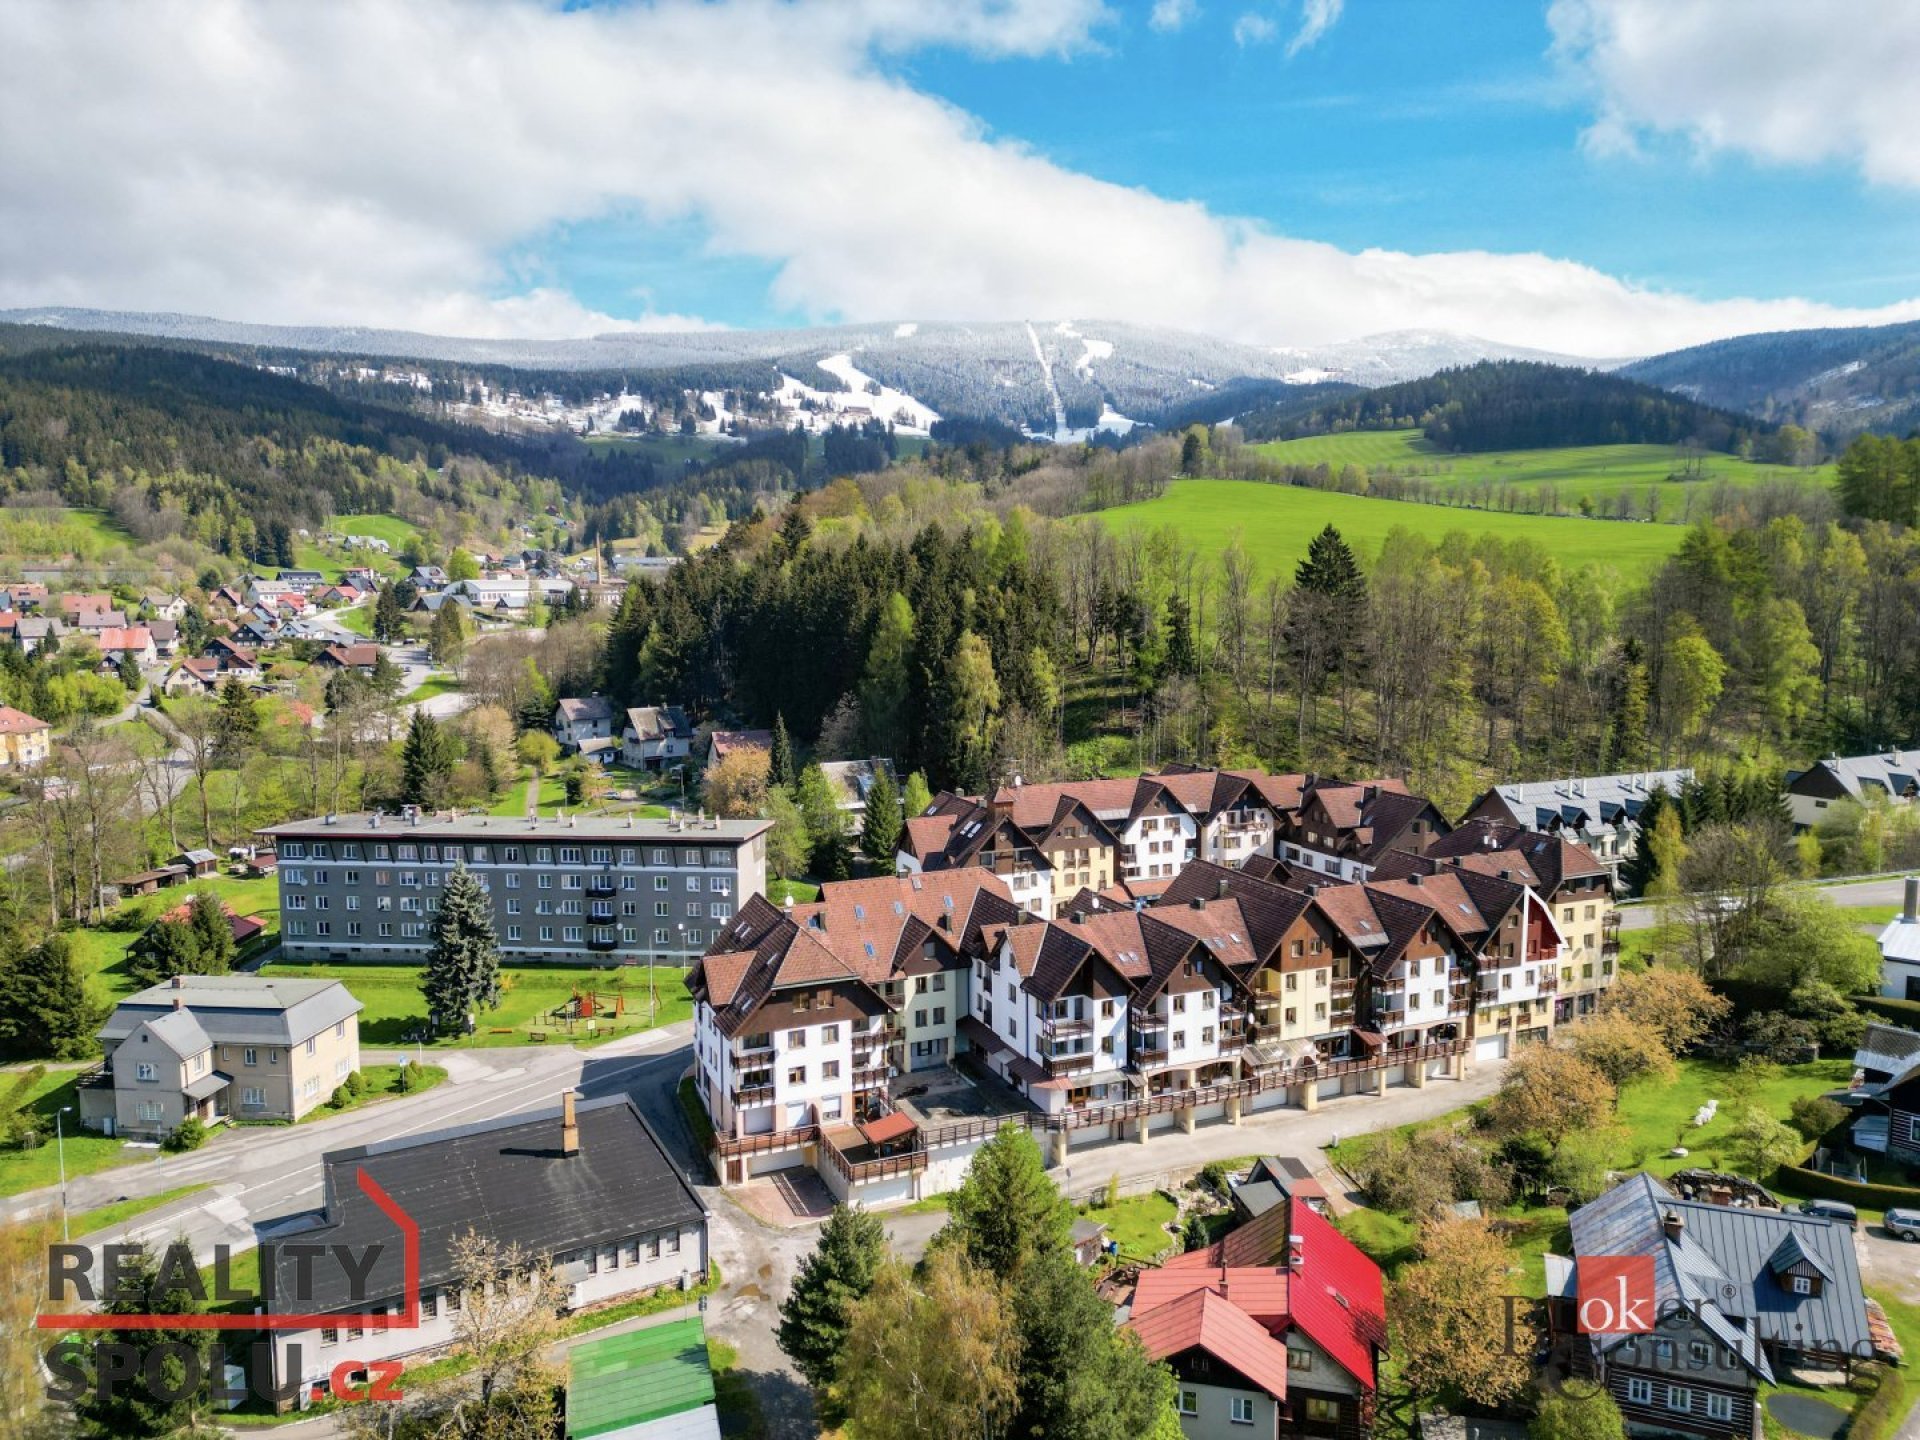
(1837, 1211)
(1904, 1225)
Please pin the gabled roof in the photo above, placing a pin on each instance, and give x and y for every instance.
(239, 1009)
(178, 1030)
(590, 710)
(659, 722)
(1590, 802)
(1543, 861)
(506, 1178)
(1890, 771)
(1203, 1319)
(18, 722)
(1888, 1049)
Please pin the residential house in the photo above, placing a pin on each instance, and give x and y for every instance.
(234, 657)
(301, 581)
(1577, 887)
(1885, 1055)
(160, 605)
(360, 658)
(243, 928)
(575, 721)
(258, 630)
(1344, 830)
(1275, 1180)
(1890, 776)
(193, 677)
(95, 623)
(721, 743)
(1598, 812)
(802, 1013)
(1263, 1348)
(22, 595)
(1739, 1295)
(851, 780)
(228, 599)
(263, 593)
(33, 631)
(166, 637)
(24, 740)
(130, 642)
(655, 737)
(362, 578)
(1900, 948)
(428, 577)
(217, 1047)
(1902, 1099)
(73, 606)
(587, 1182)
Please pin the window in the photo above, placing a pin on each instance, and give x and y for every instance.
(1189, 1402)
(1800, 1284)
(429, 1305)
(1639, 1392)
(329, 1335)
(253, 1098)
(1299, 1361)
(796, 1039)
(1719, 1407)
(1326, 1412)
(1241, 1411)
(797, 1075)
(830, 1070)
(1679, 1399)
(146, 1070)
(829, 1034)
(1699, 1354)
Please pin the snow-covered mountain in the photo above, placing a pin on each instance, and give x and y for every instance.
(1054, 377)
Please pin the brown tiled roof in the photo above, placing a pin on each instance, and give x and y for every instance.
(1204, 1319)
(18, 722)
(927, 835)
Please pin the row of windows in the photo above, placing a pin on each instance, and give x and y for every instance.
(411, 880)
(1680, 1399)
(509, 854)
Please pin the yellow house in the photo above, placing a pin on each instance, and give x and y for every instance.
(24, 741)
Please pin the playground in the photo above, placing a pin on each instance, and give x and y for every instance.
(546, 1004)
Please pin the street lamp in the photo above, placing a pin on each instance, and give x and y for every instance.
(60, 1148)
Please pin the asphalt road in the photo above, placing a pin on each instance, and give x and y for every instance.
(1887, 890)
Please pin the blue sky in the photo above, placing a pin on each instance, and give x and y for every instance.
(1597, 177)
(1407, 125)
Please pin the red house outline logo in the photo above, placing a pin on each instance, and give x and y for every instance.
(407, 1319)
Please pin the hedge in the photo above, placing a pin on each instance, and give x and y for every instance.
(1880, 1414)
(1854, 1192)
(1901, 1012)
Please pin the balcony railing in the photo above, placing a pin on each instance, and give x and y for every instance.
(752, 1094)
(602, 942)
(1065, 1025)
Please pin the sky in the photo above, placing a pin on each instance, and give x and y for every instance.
(1594, 177)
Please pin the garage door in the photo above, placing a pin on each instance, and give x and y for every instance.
(1490, 1047)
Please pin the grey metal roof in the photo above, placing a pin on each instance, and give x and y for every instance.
(506, 1179)
(1890, 770)
(1888, 1049)
(240, 1009)
(1595, 801)
(211, 1083)
(498, 830)
(701, 1424)
(175, 1029)
(1720, 1268)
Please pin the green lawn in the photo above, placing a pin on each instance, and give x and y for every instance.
(357, 618)
(390, 528)
(1656, 1116)
(801, 892)
(1275, 522)
(394, 1007)
(112, 1217)
(102, 951)
(85, 1151)
(1138, 1224)
(1598, 473)
(382, 1083)
(435, 684)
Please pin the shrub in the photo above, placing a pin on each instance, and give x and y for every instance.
(356, 1084)
(1213, 1176)
(340, 1099)
(1814, 1115)
(189, 1134)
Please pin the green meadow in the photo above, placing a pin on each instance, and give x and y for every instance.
(1275, 522)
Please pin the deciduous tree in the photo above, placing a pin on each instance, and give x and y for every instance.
(1448, 1318)
(1551, 1093)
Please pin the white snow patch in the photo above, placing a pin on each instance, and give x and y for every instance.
(864, 399)
(1094, 350)
(901, 332)
(1309, 376)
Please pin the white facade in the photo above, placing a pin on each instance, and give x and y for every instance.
(1156, 847)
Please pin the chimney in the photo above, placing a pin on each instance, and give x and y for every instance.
(1296, 1252)
(1199, 902)
(1673, 1225)
(1078, 917)
(1911, 912)
(569, 1126)
(1220, 887)
(179, 982)
(1415, 878)
(179, 1001)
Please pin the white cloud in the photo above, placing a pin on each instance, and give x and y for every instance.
(1782, 81)
(1253, 28)
(1317, 17)
(368, 163)
(1172, 14)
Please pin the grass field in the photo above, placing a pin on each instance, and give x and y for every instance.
(390, 528)
(112, 1217)
(357, 618)
(1597, 472)
(1275, 522)
(1138, 1225)
(102, 953)
(85, 1151)
(428, 688)
(395, 1009)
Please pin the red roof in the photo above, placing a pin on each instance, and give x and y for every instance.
(1204, 1320)
(887, 1128)
(18, 722)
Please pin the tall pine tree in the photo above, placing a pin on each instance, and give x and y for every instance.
(780, 769)
(840, 1271)
(880, 832)
(45, 1010)
(426, 760)
(462, 974)
(389, 616)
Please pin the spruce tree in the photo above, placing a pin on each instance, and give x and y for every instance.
(237, 722)
(389, 617)
(1638, 869)
(165, 949)
(168, 1286)
(880, 832)
(839, 1272)
(212, 933)
(462, 973)
(1080, 1377)
(780, 769)
(387, 677)
(426, 760)
(45, 1010)
(1007, 1214)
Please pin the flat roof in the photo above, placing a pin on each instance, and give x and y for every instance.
(482, 828)
(640, 1376)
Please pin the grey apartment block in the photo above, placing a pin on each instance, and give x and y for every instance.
(590, 890)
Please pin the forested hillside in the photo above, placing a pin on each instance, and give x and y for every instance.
(1834, 381)
(1514, 405)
